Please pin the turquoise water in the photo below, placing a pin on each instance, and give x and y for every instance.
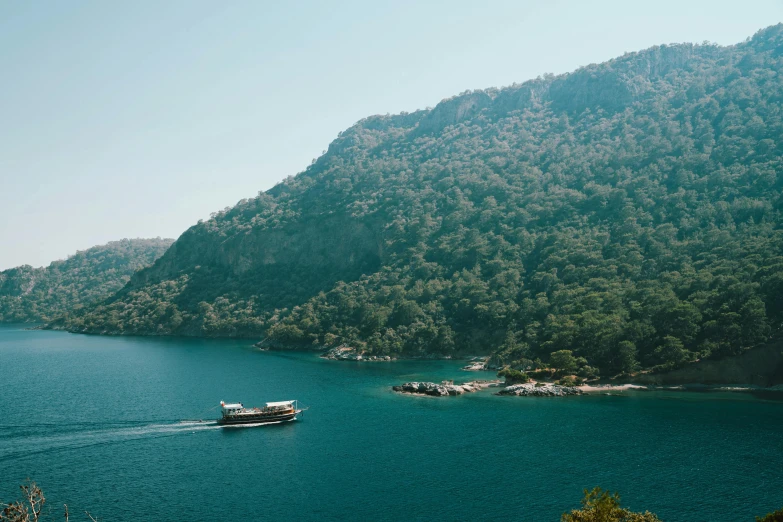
(101, 423)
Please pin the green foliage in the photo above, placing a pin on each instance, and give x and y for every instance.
(775, 516)
(513, 376)
(563, 361)
(570, 380)
(512, 350)
(672, 353)
(41, 294)
(629, 212)
(602, 506)
(286, 334)
(542, 374)
(625, 360)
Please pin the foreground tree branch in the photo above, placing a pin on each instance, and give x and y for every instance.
(30, 508)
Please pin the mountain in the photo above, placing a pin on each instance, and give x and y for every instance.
(629, 211)
(30, 294)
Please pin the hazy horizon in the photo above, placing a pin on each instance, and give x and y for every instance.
(138, 120)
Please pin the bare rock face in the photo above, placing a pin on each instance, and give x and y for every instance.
(19, 281)
(476, 366)
(534, 390)
(444, 389)
(615, 85)
(431, 388)
(346, 353)
(340, 244)
(522, 97)
(454, 110)
(482, 364)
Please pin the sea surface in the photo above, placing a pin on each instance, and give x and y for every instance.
(109, 425)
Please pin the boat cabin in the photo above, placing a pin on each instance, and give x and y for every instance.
(275, 406)
(231, 409)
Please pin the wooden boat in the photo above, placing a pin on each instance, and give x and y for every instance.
(272, 412)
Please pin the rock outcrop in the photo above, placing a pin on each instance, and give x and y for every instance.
(454, 110)
(346, 353)
(443, 389)
(476, 366)
(540, 390)
(482, 364)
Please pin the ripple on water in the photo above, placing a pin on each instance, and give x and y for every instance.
(97, 422)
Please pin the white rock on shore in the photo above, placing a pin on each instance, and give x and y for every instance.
(346, 353)
(480, 364)
(443, 389)
(476, 366)
(545, 390)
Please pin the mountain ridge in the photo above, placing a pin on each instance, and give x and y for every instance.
(570, 212)
(41, 294)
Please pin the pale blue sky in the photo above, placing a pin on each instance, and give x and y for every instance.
(136, 119)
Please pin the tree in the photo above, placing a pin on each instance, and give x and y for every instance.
(563, 361)
(513, 376)
(27, 510)
(626, 357)
(286, 333)
(775, 516)
(602, 506)
(671, 352)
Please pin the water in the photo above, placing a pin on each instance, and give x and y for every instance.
(104, 425)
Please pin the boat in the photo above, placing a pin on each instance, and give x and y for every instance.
(272, 412)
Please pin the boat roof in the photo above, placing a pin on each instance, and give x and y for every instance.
(281, 403)
(232, 406)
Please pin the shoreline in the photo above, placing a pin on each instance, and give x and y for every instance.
(475, 362)
(550, 389)
(591, 389)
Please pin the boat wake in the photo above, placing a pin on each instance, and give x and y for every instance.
(22, 441)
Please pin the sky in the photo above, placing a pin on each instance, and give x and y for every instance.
(137, 119)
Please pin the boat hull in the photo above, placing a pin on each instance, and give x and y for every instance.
(259, 419)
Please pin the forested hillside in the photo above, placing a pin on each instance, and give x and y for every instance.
(629, 211)
(30, 294)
